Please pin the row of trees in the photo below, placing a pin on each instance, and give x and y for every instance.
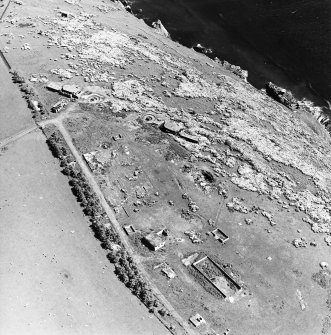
(125, 267)
(37, 108)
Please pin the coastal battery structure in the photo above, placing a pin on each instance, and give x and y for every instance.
(166, 137)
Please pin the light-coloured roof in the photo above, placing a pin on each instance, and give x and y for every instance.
(54, 86)
(74, 89)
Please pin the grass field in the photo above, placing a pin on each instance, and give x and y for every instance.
(14, 114)
(54, 277)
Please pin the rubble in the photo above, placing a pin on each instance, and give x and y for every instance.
(303, 304)
(237, 205)
(26, 46)
(300, 242)
(62, 73)
(324, 265)
(168, 271)
(194, 236)
(327, 240)
(193, 206)
(38, 78)
(98, 159)
(269, 217)
(248, 221)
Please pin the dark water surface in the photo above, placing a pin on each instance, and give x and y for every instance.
(284, 41)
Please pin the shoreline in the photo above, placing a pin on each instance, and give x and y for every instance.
(322, 113)
(308, 92)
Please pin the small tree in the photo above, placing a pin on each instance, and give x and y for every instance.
(17, 77)
(113, 257)
(54, 148)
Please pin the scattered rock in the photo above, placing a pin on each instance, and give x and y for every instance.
(248, 221)
(193, 206)
(237, 205)
(324, 265)
(300, 242)
(303, 304)
(194, 236)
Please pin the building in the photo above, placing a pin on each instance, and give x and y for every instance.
(154, 241)
(129, 229)
(197, 320)
(71, 91)
(220, 235)
(54, 86)
(58, 106)
(171, 127)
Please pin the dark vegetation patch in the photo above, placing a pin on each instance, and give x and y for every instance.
(175, 150)
(122, 114)
(204, 283)
(155, 136)
(328, 300)
(208, 176)
(25, 25)
(323, 278)
(326, 324)
(86, 107)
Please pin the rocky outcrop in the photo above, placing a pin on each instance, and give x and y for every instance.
(281, 95)
(235, 69)
(199, 48)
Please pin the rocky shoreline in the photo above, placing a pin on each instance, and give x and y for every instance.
(322, 114)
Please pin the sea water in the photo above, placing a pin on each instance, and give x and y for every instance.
(287, 42)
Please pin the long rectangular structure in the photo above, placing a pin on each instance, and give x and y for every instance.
(224, 283)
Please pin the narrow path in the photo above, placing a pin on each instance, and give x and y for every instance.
(5, 10)
(17, 136)
(39, 124)
(5, 60)
(90, 178)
